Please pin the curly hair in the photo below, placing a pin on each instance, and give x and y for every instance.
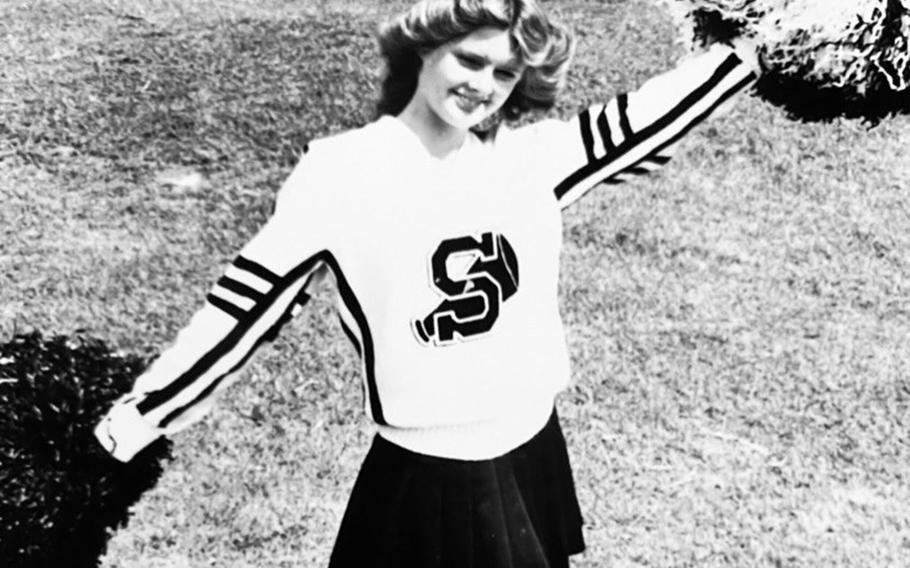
(544, 46)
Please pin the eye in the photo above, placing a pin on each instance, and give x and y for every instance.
(469, 61)
(506, 74)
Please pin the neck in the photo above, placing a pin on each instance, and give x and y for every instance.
(437, 136)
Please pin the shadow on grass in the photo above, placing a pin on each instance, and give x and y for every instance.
(60, 492)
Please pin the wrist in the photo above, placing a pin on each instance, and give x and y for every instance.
(748, 51)
(124, 432)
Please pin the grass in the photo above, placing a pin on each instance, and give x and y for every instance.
(739, 325)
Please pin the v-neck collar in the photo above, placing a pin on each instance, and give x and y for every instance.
(406, 133)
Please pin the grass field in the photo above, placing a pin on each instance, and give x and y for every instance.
(739, 324)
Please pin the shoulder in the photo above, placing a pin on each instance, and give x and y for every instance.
(541, 136)
(349, 144)
(332, 159)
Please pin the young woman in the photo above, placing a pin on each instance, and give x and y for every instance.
(443, 243)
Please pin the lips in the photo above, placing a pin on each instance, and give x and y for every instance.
(469, 102)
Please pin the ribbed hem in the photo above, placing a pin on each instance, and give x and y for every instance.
(481, 440)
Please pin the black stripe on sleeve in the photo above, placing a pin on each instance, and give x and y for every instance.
(622, 107)
(368, 355)
(240, 288)
(604, 127)
(227, 344)
(230, 341)
(685, 130)
(685, 104)
(653, 158)
(729, 93)
(226, 307)
(724, 69)
(657, 159)
(584, 121)
(207, 391)
(270, 335)
(351, 336)
(257, 270)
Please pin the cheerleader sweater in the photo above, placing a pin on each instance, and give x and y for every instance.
(446, 270)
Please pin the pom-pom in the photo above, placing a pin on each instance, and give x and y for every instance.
(822, 58)
(60, 492)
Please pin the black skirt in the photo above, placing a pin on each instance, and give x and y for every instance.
(518, 510)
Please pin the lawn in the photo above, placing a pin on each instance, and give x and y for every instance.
(739, 324)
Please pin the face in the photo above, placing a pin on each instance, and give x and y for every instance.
(463, 82)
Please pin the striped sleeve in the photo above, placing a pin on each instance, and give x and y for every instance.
(257, 294)
(636, 133)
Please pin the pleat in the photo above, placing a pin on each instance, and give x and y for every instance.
(458, 515)
(523, 537)
(411, 510)
(422, 539)
(489, 518)
(371, 528)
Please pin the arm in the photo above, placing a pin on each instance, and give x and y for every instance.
(258, 293)
(636, 133)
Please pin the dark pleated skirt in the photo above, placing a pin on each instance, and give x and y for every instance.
(518, 510)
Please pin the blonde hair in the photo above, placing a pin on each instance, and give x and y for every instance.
(545, 47)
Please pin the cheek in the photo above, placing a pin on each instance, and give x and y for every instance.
(450, 74)
(504, 91)
(434, 75)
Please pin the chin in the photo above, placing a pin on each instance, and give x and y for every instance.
(457, 118)
(466, 124)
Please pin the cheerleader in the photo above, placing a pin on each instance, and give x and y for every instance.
(442, 240)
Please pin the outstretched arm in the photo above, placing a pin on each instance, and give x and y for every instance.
(257, 294)
(636, 133)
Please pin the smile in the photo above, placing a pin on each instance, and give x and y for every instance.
(466, 101)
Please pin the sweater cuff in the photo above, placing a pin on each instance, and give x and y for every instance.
(124, 432)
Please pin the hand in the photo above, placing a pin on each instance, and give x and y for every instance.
(748, 50)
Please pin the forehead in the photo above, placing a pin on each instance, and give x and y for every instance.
(493, 44)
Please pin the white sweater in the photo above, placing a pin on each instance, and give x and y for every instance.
(446, 269)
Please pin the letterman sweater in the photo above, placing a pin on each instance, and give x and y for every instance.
(445, 269)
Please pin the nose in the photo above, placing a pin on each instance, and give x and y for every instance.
(482, 82)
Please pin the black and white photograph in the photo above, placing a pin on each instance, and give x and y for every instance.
(455, 283)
